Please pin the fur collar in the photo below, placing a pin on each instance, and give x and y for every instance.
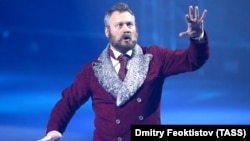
(137, 66)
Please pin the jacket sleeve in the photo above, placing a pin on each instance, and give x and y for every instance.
(185, 60)
(72, 98)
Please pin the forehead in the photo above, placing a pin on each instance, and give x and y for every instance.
(117, 17)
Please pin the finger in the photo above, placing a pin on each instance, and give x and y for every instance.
(187, 18)
(183, 34)
(191, 12)
(196, 12)
(203, 15)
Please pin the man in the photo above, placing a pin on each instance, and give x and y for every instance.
(120, 102)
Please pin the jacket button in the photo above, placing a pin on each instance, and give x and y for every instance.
(119, 139)
(117, 121)
(139, 100)
(140, 117)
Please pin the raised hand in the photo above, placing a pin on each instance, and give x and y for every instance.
(195, 23)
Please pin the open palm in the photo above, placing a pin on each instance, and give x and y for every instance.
(195, 23)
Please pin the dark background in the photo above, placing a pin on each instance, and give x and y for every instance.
(43, 44)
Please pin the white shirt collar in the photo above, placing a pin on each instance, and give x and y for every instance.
(117, 53)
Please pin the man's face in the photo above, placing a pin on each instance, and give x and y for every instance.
(122, 32)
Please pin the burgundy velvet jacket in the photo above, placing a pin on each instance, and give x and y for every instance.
(112, 122)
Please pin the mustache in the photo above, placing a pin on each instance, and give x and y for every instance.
(126, 36)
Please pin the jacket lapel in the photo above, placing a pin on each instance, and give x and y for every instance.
(137, 71)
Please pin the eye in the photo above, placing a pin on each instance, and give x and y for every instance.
(129, 24)
(119, 25)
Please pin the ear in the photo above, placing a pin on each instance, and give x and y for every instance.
(106, 31)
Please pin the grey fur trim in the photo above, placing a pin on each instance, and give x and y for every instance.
(137, 67)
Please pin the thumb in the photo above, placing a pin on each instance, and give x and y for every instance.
(183, 34)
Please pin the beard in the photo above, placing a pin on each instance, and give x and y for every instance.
(124, 43)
